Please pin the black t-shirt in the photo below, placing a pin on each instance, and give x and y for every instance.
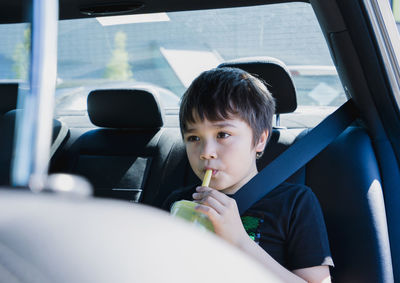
(287, 223)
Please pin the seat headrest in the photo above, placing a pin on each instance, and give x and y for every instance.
(124, 108)
(275, 74)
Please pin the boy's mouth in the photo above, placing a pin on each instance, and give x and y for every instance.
(214, 171)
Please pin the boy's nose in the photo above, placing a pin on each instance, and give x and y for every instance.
(205, 156)
(208, 152)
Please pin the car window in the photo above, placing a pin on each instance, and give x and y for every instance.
(166, 51)
(395, 4)
(14, 52)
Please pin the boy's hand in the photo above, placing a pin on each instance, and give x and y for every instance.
(223, 213)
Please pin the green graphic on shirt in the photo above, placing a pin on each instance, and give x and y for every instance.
(251, 224)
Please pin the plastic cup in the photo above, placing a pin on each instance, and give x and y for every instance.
(185, 209)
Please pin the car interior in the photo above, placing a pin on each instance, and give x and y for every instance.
(131, 150)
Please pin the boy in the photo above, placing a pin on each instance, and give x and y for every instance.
(226, 120)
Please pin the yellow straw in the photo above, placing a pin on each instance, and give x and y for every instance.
(207, 178)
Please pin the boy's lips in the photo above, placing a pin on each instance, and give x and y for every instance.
(214, 171)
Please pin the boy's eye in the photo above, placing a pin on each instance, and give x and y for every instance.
(192, 138)
(222, 135)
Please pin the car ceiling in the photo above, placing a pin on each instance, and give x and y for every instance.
(16, 11)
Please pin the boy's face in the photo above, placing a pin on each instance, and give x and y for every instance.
(227, 148)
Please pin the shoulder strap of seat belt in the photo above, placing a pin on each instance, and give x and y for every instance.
(295, 157)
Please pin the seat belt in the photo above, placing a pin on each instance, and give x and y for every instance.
(295, 157)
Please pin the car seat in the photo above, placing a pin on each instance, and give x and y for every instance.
(7, 128)
(345, 178)
(128, 147)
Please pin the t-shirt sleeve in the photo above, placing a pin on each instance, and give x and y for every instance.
(185, 193)
(308, 243)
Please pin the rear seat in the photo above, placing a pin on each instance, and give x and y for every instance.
(7, 127)
(8, 116)
(345, 178)
(124, 157)
(132, 152)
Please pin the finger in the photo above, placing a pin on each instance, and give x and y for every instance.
(221, 197)
(207, 199)
(202, 194)
(201, 189)
(209, 211)
(210, 201)
(198, 196)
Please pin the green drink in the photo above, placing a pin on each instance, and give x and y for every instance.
(185, 210)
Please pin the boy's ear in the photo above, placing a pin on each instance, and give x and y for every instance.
(262, 141)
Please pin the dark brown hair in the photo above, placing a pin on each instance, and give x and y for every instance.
(220, 93)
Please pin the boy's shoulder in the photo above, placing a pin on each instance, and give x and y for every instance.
(290, 189)
(287, 195)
